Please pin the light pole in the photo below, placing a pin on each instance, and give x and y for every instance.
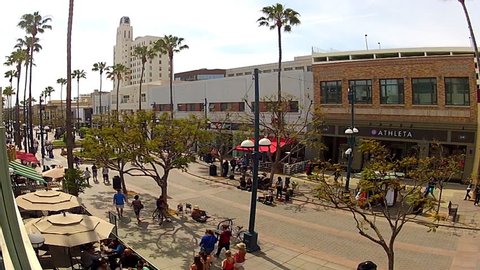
(351, 132)
(251, 237)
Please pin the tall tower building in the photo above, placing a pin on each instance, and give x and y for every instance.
(155, 70)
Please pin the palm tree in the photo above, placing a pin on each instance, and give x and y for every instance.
(33, 24)
(277, 17)
(68, 121)
(169, 45)
(17, 58)
(10, 74)
(48, 93)
(78, 74)
(144, 53)
(117, 73)
(100, 67)
(9, 92)
(62, 82)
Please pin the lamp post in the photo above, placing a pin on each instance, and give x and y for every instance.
(251, 237)
(351, 132)
(42, 143)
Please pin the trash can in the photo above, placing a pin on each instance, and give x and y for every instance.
(117, 182)
(213, 170)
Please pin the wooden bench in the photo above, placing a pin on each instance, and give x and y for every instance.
(452, 210)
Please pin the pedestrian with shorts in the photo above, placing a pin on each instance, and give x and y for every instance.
(279, 187)
(105, 175)
(94, 173)
(86, 175)
(224, 239)
(137, 206)
(119, 199)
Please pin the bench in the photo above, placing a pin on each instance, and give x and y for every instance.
(452, 210)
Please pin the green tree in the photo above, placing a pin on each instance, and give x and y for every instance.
(278, 17)
(156, 152)
(33, 24)
(379, 177)
(169, 45)
(17, 58)
(9, 92)
(68, 123)
(100, 67)
(48, 93)
(74, 183)
(62, 82)
(117, 73)
(78, 74)
(10, 74)
(144, 53)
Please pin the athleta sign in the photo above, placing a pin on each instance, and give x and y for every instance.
(391, 133)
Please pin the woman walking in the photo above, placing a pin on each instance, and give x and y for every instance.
(137, 206)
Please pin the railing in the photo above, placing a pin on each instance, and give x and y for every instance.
(290, 169)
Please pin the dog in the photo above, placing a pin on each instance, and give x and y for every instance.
(188, 208)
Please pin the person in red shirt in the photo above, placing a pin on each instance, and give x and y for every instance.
(224, 239)
(240, 256)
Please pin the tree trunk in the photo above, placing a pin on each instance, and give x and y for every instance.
(25, 118)
(170, 75)
(61, 102)
(30, 109)
(17, 110)
(122, 178)
(391, 258)
(118, 89)
(69, 134)
(100, 97)
(78, 105)
(140, 89)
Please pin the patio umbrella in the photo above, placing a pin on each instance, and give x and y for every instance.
(55, 173)
(47, 200)
(70, 230)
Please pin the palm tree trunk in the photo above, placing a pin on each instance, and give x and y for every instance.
(61, 102)
(100, 97)
(25, 118)
(30, 109)
(170, 75)
(68, 123)
(118, 89)
(17, 111)
(78, 105)
(140, 89)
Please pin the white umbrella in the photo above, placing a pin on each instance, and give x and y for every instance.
(47, 200)
(70, 230)
(55, 173)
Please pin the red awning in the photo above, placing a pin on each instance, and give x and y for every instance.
(28, 157)
(264, 149)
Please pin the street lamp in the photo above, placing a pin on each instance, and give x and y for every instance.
(251, 237)
(351, 132)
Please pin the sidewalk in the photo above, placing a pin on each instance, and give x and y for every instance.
(468, 216)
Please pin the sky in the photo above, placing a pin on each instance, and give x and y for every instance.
(225, 34)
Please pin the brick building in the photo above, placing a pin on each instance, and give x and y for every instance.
(406, 98)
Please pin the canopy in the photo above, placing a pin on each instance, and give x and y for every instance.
(70, 230)
(28, 157)
(58, 172)
(272, 148)
(26, 171)
(47, 200)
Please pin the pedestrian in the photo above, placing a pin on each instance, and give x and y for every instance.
(76, 160)
(207, 243)
(137, 206)
(336, 175)
(225, 168)
(367, 265)
(240, 256)
(86, 175)
(279, 187)
(105, 175)
(477, 195)
(224, 239)
(229, 262)
(94, 173)
(119, 199)
(197, 263)
(467, 195)
(233, 164)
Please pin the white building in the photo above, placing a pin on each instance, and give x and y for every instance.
(101, 103)
(155, 69)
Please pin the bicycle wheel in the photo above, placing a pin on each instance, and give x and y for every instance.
(240, 236)
(228, 222)
(156, 214)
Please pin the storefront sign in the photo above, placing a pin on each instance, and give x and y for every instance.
(463, 137)
(409, 134)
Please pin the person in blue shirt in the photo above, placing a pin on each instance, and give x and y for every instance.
(207, 243)
(119, 199)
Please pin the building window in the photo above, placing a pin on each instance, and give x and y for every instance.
(424, 91)
(190, 107)
(124, 99)
(144, 98)
(227, 106)
(457, 91)
(292, 106)
(363, 91)
(271, 106)
(391, 91)
(331, 92)
(161, 107)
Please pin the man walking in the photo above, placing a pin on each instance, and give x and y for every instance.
(119, 199)
(279, 187)
(94, 173)
(467, 195)
(224, 239)
(105, 175)
(86, 175)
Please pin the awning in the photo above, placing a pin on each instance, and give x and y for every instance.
(26, 171)
(28, 157)
(264, 149)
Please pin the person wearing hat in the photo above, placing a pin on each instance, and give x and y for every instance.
(240, 256)
(199, 215)
(367, 265)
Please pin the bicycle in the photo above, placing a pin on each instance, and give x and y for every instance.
(237, 231)
(160, 215)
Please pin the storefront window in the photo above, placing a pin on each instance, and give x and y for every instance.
(363, 91)
(391, 91)
(424, 91)
(457, 91)
(331, 92)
